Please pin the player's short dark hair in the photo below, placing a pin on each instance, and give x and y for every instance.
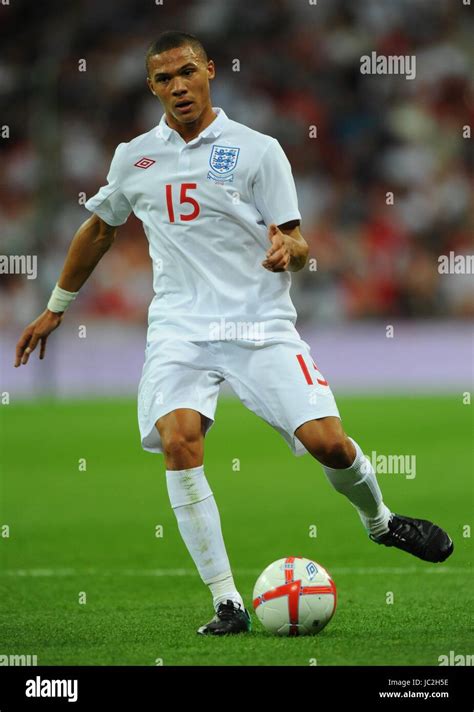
(172, 39)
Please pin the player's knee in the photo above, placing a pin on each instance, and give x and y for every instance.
(181, 445)
(336, 452)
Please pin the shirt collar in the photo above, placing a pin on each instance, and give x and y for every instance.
(214, 129)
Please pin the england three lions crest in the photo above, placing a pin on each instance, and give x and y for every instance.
(223, 160)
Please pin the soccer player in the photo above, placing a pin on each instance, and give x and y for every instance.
(219, 208)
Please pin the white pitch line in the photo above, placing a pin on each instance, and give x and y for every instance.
(336, 571)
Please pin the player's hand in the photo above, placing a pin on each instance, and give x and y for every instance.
(278, 256)
(37, 331)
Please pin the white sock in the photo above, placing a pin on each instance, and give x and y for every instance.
(200, 526)
(223, 588)
(359, 484)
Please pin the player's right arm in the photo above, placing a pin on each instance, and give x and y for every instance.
(90, 243)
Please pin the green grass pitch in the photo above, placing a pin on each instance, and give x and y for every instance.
(74, 531)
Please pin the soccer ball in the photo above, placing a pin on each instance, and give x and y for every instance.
(294, 596)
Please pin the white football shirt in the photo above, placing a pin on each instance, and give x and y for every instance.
(205, 207)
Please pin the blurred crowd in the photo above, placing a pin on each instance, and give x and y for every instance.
(384, 187)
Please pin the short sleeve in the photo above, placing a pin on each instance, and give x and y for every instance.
(274, 188)
(110, 203)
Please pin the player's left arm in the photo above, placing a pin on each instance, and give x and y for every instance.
(289, 250)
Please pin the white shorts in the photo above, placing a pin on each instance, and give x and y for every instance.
(277, 380)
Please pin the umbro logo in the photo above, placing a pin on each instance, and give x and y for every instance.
(144, 163)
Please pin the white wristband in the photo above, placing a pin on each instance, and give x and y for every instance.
(60, 299)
